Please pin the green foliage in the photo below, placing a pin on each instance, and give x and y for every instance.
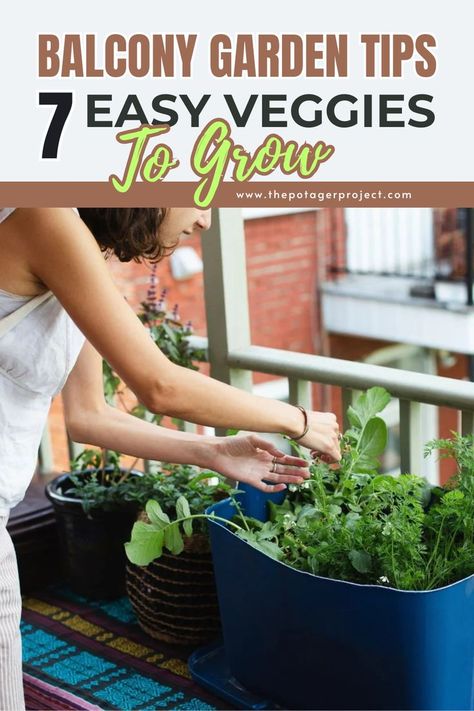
(352, 523)
(148, 539)
(147, 543)
(349, 522)
(170, 335)
(101, 484)
(111, 382)
(450, 519)
(175, 502)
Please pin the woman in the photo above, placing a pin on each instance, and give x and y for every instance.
(59, 346)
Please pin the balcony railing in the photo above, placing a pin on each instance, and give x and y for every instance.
(233, 358)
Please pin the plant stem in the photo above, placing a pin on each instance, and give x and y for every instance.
(239, 511)
(435, 549)
(209, 517)
(126, 474)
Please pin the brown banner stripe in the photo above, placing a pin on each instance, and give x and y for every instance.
(229, 194)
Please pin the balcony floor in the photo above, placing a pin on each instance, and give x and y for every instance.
(93, 655)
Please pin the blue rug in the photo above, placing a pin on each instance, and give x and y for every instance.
(97, 652)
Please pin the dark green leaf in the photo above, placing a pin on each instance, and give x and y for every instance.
(203, 476)
(172, 335)
(361, 561)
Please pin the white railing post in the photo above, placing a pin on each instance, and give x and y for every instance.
(411, 438)
(300, 393)
(225, 289)
(74, 448)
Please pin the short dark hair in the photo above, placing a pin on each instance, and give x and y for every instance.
(129, 233)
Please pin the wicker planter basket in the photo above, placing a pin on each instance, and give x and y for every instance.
(175, 597)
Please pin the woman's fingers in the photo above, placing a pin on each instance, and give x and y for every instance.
(284, 478)
(269, 488)
(288, 459)
(323, 457)
(286, 470)
(266, 446)
(276, 453)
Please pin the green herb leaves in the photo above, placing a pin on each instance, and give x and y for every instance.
(347, 522)
(352, 523)
(361, 561)
(148, 539)
(367, 406)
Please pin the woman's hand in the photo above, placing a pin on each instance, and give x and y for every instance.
(251, 459)
(322, 436)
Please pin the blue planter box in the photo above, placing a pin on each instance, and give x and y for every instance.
(309, 642)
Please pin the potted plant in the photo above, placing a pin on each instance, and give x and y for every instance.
(356, 589)
(174, 594)
(97, 502)
(172, 337)
(95, 505)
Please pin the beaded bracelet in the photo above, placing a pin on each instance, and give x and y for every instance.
(306, 424)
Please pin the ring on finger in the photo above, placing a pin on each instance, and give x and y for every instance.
(274, 466)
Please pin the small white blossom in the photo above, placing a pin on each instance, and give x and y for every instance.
(288, 521)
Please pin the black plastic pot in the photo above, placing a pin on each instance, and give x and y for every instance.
(92, 545)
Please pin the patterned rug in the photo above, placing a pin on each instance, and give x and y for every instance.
(40, 695)
(92, 655)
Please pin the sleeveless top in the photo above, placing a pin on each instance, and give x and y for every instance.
(36, 357)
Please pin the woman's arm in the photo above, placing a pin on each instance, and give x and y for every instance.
(90, 420)
(61, 252)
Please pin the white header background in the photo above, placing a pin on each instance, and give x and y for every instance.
(443, 152)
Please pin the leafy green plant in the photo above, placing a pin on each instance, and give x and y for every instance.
(149, 538)
(352, 523)
(449, 522)
(349, 522)
(100, 482)
(172, 337)
(170, 334)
